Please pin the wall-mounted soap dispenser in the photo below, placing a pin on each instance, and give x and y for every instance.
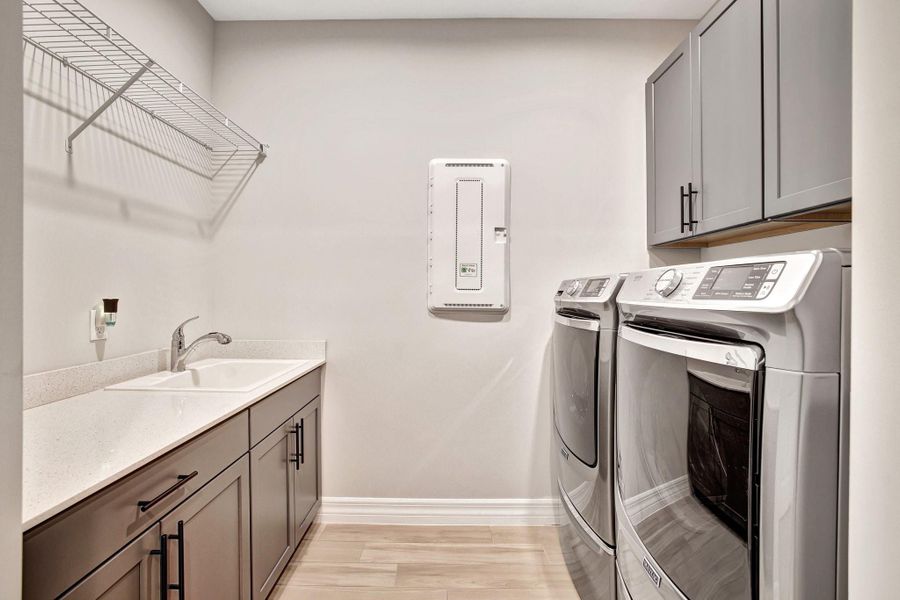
(103, 315)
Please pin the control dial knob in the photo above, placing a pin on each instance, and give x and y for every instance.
(573, 288)
(668, 282)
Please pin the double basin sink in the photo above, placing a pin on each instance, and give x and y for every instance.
(214, 375)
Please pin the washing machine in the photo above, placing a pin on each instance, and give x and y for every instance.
(732, 408)
(584, 344)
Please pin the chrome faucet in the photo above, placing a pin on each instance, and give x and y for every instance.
(179, 353)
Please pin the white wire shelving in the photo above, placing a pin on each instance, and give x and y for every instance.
(82, 41)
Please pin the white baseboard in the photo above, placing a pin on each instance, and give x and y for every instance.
(439, 511)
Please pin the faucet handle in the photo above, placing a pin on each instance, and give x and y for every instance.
(179, 331)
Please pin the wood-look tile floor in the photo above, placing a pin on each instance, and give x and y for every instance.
(390, 562)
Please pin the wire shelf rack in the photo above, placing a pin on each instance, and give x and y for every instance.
(82, 41)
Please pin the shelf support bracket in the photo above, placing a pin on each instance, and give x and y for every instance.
(87, 123)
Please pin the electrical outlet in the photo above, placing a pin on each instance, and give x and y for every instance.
(98, 327)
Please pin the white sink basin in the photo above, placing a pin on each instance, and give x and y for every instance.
(214, 375)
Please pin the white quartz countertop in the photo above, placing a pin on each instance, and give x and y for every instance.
(77, 446)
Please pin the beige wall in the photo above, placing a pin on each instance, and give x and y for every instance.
(112, 219)
(875, 411)
(11, 297)
(830, 237)
(329, 240)
(178, 34)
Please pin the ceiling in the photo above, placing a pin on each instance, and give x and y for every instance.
(265, 10)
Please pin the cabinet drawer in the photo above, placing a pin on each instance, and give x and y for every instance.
(269, 413)
(82, 537)
(129, 575)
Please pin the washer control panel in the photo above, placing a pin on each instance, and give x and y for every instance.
(753, 281)
(668, 282)
(759, 283)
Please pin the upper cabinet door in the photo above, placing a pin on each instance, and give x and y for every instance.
(726, 50)
(668, 96)
(807, 103)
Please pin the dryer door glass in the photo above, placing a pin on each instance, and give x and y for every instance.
(686, 455)
(575, 343)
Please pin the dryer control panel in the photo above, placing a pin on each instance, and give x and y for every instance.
(594, 287)
(590, 297)
(588, 289)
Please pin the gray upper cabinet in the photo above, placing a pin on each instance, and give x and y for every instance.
(132, 574)
(208, 543)
(307, 476)
(668, 97)
(769, 94)
(808, 71)
(726, 54)
(272, 473)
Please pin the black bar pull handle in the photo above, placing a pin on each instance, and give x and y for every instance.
(295, 455)
(163, 554)
(180, 585)
(683, 196)
(146, 505)
(301, 450)
(690, 198)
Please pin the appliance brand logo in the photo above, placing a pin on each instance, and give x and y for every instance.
(468, 269)
(651, 572)
(565, 453)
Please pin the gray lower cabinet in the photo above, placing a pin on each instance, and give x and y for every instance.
(61, 551)
(217, 518)
(132, 574)
(726, 52)
(208, 538)
(272, 468)
(668, 98)
(808, 72)
(307, 475)
(284, 491)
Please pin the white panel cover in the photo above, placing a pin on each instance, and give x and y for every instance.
(468, 235)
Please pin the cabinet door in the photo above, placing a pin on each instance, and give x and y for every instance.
(272, 473)
(726, 50)
(808, 71)
(668, 97)
(209, 539)
(132, 574)
(307, 477)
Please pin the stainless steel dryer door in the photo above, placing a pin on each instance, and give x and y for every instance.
(584, 416)
(687, 452)
(575, 344)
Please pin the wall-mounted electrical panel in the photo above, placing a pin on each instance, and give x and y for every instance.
(468, 235)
